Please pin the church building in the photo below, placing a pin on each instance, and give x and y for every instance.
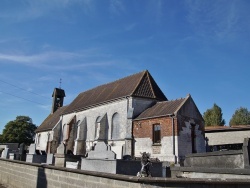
(131, 114)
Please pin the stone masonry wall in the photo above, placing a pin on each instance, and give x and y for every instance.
(16, 174)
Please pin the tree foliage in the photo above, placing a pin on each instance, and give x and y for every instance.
(213, 116)
(21, 130)
(241, 116)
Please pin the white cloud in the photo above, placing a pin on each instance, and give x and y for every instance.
(59, 60)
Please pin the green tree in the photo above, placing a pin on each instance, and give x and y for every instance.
(213, 116)
(241, 116)
(21, 130)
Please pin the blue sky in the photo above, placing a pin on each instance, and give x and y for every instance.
(188, 46)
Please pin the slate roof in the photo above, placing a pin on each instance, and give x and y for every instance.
(51, 120)
(162, 109)
(138, 85)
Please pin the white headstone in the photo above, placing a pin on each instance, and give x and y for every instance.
(32, 149)
(61, 149)
(102, 151)
(73, 165)
(5, 153)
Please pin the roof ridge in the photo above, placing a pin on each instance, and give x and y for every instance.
(113, 81)
(177, 99)
(183, 102)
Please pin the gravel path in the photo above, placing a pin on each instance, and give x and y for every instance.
(1, 186)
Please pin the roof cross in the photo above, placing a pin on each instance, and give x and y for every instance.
(60, 83)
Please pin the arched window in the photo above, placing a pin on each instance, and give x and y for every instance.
(64, 132)
(115, 134)
(77, 130)
(97, 127)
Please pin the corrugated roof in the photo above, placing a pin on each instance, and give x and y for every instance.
(226, 128)
(51, 120)
(141, 85)
(162, 109)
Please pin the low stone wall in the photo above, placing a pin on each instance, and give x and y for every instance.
(210, 173)
(125, 167)
(218, 159)
(131, 167)
(17, 174)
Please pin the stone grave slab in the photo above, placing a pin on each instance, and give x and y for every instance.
(102, 151)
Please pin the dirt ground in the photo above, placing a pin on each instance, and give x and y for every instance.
(1, 186)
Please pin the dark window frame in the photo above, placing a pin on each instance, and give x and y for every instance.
(156, 133)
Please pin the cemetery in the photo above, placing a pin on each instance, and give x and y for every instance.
(131, 137)
(17, 173)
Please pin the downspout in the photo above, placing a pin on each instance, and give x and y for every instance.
(127, 97)
(173, 134)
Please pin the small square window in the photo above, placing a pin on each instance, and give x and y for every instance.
(157, 134)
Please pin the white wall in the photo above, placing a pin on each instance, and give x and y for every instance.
(166, 148)
(230, 137)
(41, 144)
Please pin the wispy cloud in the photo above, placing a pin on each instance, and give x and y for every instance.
(218, 19)
(30, 9)
(130, 27)
(116, 6)
(59, 60)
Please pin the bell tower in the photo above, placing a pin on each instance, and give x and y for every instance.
(58, 96)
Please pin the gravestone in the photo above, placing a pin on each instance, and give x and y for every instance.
(50, 159)
(102, 151)
(61, 157)
(73, 165)
(22, 152)
(32, 149)
(246, 152)
(33, 156)
(11, 156)
(101, 159)
(61, 149)
(5, 153)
